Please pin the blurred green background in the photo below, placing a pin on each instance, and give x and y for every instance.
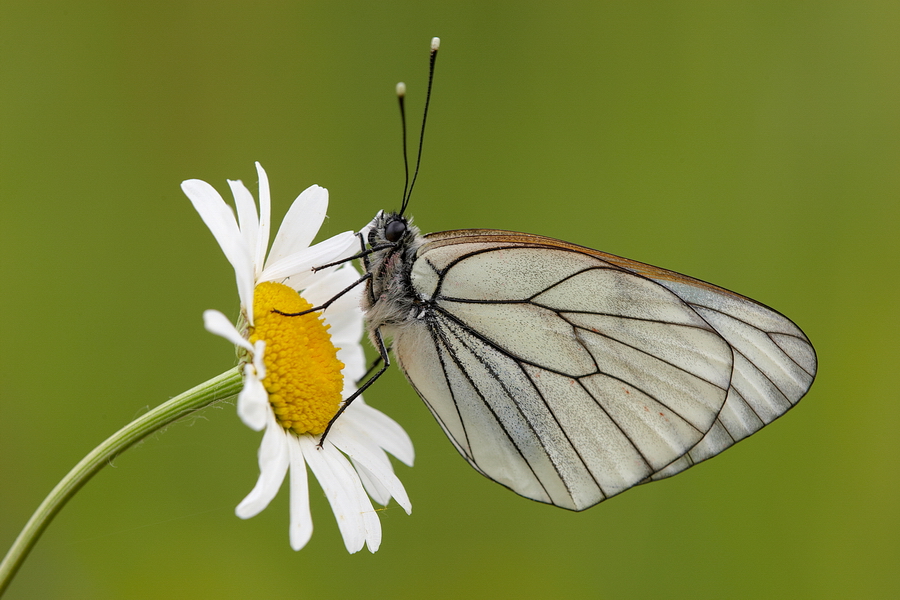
(755, 145)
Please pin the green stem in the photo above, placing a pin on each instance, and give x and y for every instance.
(226, 385)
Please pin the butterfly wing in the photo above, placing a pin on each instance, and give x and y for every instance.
(570, 375)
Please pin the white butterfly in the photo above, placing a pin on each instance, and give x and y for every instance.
(570, 375)
(567, 374)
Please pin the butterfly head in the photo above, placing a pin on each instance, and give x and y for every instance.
(391, 230)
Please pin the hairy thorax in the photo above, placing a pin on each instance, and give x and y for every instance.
(390, 299)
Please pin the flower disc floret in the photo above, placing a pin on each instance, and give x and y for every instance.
(303, 375)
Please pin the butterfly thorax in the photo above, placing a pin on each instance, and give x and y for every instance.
(390, 298)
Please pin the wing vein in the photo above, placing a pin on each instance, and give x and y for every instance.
(802, 339)
(436, 338)
(662, 360)
(520, 362)
(568, 438)
(490, 409)
(443, 312)
(605, 267)
(616, 423)
(763, 373)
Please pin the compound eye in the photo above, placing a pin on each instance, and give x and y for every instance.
(394, 231)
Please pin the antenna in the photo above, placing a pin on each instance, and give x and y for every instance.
(401, 96)
(435, 44)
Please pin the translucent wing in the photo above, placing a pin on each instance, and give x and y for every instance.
(570, 375)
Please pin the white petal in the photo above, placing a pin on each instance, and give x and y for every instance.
(273, 465)
(354, 365)
(301, 223)
(300, 264)
(217, 323)
(253, 401)
(248, 219)
(343, 493)
(219, 218)
(352, 429)
(259, 351)
(350, 351)
(327, 286)
(301, 527)
(215, 213)
(371, 522)
(371, 224)
(368, 454)
(382, 429)
(346, 325)
(265, 217)
(373, 527)
(378, 492)
(347, 320)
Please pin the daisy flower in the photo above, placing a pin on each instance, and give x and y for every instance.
(299, 370)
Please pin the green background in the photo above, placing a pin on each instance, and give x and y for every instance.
(755, 145)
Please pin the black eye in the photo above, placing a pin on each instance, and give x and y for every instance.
(394, 231)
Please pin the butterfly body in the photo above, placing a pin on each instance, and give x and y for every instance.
(570, 375)
(390, 298)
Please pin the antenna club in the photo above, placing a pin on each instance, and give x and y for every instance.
(401, 89)
(435, 44)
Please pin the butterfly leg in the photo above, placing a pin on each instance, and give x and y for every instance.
(328, 302)
(385, 359)
(364, 253)
(373, 366)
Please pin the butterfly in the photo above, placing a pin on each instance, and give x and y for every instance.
(567, 374)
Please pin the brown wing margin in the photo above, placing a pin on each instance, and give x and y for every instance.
(487, 236)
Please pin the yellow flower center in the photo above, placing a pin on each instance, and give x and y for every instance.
(303, 374)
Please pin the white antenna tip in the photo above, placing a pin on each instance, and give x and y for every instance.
(401, 89)
(435, 44)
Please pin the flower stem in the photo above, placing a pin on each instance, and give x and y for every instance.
(226, 385)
